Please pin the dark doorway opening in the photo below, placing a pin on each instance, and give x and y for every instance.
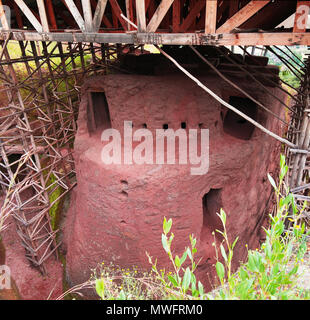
(211, 204)
(98, 113)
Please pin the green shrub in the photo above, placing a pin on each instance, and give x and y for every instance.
(181, 283)
(272, 271)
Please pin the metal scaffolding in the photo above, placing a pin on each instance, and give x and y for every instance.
(40, 91)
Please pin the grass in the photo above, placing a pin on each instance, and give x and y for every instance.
(289, 78)
(16, 53)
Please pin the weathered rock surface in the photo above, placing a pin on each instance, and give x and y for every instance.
(117, 210)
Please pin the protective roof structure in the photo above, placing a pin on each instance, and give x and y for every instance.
(170, 22)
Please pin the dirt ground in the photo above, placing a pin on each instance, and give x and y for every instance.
(304, 270)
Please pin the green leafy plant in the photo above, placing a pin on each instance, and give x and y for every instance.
(220, 268)
(181, 283)
(272, 271)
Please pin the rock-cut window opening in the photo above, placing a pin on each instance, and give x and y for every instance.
(234, 124)
(99, 113)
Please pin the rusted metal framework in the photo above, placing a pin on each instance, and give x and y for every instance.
(50, 46)
(39, 105)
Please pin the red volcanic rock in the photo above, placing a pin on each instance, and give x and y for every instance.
(117, 210)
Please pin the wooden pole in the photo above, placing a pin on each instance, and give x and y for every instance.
(211, 10)
(141, 20)
(43, 16)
